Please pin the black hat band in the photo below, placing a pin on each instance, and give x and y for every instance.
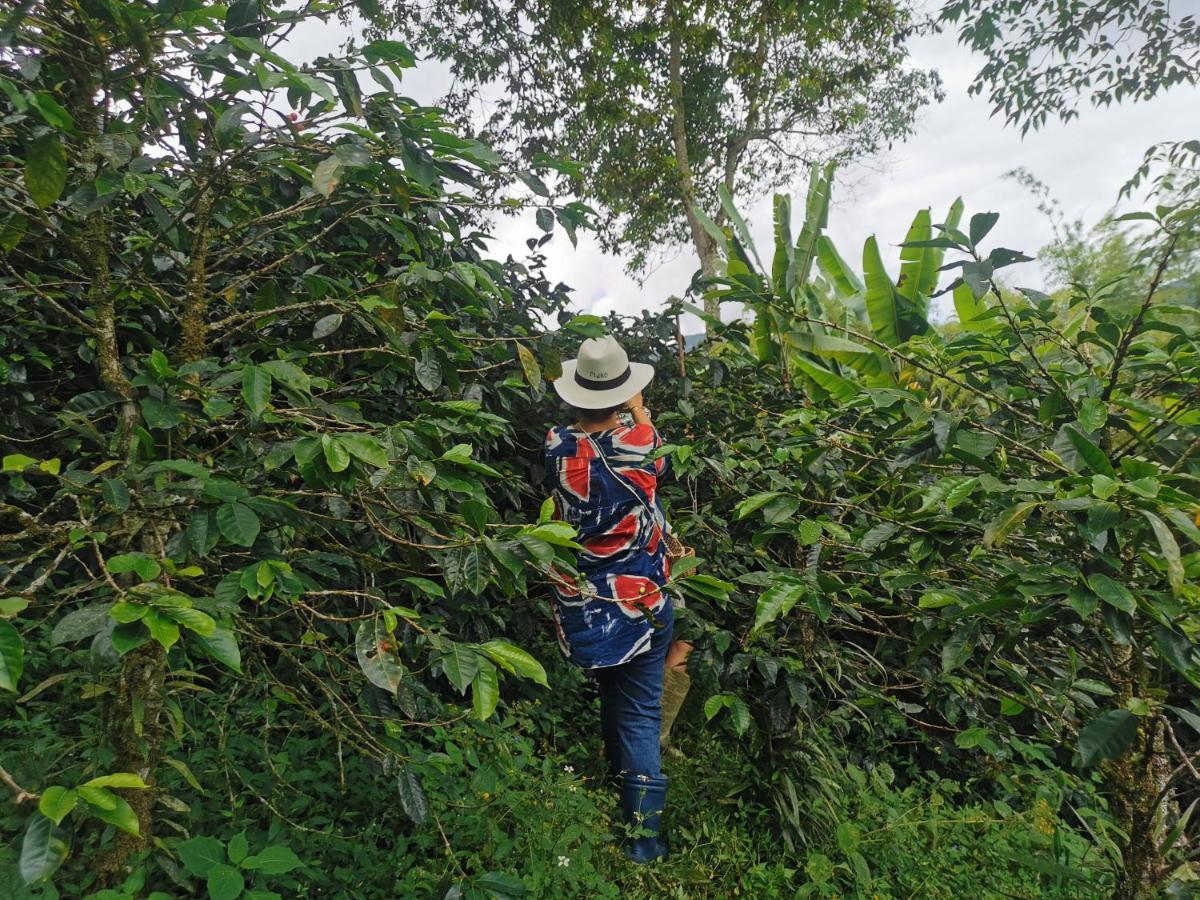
(593, 385)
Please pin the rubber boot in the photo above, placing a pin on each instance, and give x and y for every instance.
(676, 682)
(642, 801)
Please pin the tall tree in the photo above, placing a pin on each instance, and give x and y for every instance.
(1044, 56)
(662, 105)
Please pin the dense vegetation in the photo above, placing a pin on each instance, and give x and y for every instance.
(274, 558)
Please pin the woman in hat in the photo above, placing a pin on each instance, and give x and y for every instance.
(616, 620)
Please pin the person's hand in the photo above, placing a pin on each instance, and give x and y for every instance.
(635, 400)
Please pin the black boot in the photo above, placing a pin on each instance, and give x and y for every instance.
(642, 801)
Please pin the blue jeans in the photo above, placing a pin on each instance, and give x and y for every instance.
(631, 704)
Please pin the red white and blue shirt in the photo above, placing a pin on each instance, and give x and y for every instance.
(623, 563)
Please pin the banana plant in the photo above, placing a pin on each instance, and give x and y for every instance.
(786, 302)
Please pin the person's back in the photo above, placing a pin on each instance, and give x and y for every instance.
(604, 485)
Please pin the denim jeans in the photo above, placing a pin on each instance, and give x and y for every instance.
(631, 704)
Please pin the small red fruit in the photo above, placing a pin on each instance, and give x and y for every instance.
(292, 117)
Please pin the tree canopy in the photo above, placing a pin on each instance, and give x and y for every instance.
(661, 105)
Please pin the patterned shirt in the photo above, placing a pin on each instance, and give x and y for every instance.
(624, 555)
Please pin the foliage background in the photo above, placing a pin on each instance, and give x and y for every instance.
(275, 563)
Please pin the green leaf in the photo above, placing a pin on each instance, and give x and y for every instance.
(1088, 451)
(780, 509)
(973, 315)
(222, 646)
(200, 854)
(960, 492)
(118, 780)
(881, 296)
(740, 228)
(115, 494)
(10, 606)
(816, 218)
(224, 882)
(327, 325)
(80, 624)
(56, 802)
(981, 224)
(485, 690)
(239, 846)
(366, 448)
(428, 371)
(750, 504)
(121, 815)
(1093, 414)
(238, 523)
(161, 628)
(1170, 551)
(776, 601)
(274, 860)
(716, 703)
(1111, 592)
(739, 715)
(337, 454)
(936, 600)
(327, 175)
(12, 229)
(43, 849)
(845, 280)
(51, 110)
(146, 566)
(12, 656)
(997, 532)
(838, 387)
(256, 388)
(412, 797)
(375, 648)
(1107, 736)
(514, 659)
(918, 266)
(45, 170)
(128, 612)
(194, 620)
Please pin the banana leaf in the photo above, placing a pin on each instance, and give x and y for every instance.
(740, 230)
(782, 267)
(916, 262)
(973, 315)
(846, 283)
(880, 296)
(835, 385)
(929, 284)
(761, 345)
(816, 217)
(851, 353)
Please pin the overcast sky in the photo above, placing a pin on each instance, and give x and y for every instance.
(958, 149)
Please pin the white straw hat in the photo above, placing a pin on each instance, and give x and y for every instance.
(602, 375)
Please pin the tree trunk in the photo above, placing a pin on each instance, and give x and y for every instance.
(135, 735)
(1133, 782)
(194, 321)
(706, 247)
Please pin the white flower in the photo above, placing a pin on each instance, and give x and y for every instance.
(563, 862)
(572, 788)
(570, 770)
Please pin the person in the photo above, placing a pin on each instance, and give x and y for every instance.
(616, 620)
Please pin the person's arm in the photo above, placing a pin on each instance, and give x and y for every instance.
(637, 408)
(641, 416)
